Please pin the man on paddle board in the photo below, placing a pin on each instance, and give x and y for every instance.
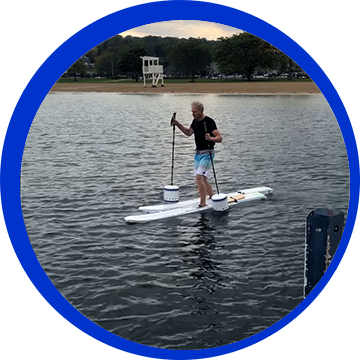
(206, 135)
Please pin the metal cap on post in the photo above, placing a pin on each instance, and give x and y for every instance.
(324, 229)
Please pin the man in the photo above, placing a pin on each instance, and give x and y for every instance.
(206, 135)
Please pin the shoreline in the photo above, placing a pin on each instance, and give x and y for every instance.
(185, 93)
(245, 88)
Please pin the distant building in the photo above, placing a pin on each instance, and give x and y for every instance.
(86, 60)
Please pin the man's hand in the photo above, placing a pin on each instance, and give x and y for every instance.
(216, 138)
(174, 122)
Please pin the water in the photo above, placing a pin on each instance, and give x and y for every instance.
(196, 281)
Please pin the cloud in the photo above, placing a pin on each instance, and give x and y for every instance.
(184, 29)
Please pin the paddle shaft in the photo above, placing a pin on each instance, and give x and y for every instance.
(212, 162)
(173, 150)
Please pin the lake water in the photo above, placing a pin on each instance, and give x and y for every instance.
(196, 281)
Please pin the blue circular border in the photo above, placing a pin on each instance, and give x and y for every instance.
(41, 323)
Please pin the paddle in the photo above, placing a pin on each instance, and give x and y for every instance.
(173, 148)
(171, 192)
(212, 162)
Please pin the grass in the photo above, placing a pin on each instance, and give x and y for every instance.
(172, 81)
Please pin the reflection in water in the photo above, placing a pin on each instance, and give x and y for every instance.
(206, 270)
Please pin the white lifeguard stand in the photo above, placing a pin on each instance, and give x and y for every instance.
(152, 69)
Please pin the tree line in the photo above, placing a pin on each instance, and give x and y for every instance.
(242, 54)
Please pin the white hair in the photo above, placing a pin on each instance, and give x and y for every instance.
(198, 105)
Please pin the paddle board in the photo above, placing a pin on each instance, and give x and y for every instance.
(170, 206)
(235, 198)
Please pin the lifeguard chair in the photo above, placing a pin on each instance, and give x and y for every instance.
(152, 69)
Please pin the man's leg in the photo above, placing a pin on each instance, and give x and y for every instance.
(209, 189)
(201, 188)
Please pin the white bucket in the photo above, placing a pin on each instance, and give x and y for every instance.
(171, 193)
(220, 202)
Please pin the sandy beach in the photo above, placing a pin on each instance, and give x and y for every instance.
(251, 87)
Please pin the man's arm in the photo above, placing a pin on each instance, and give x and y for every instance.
(187, 131)
(216, 138)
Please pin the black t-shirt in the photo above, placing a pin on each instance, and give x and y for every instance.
(201, 127)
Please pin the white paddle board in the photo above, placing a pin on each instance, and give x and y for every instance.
(170, 206)
(235, 198)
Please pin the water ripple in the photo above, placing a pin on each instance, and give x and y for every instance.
(193, 282)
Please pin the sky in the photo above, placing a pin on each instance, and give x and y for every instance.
(184, 29)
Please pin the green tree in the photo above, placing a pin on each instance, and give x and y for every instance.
(226, 58)
(104, 64)
(192, 56)
(129, 61)
(286, 64)
(92, 54)
(110, 44)
(77, 68)
(244, 53)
